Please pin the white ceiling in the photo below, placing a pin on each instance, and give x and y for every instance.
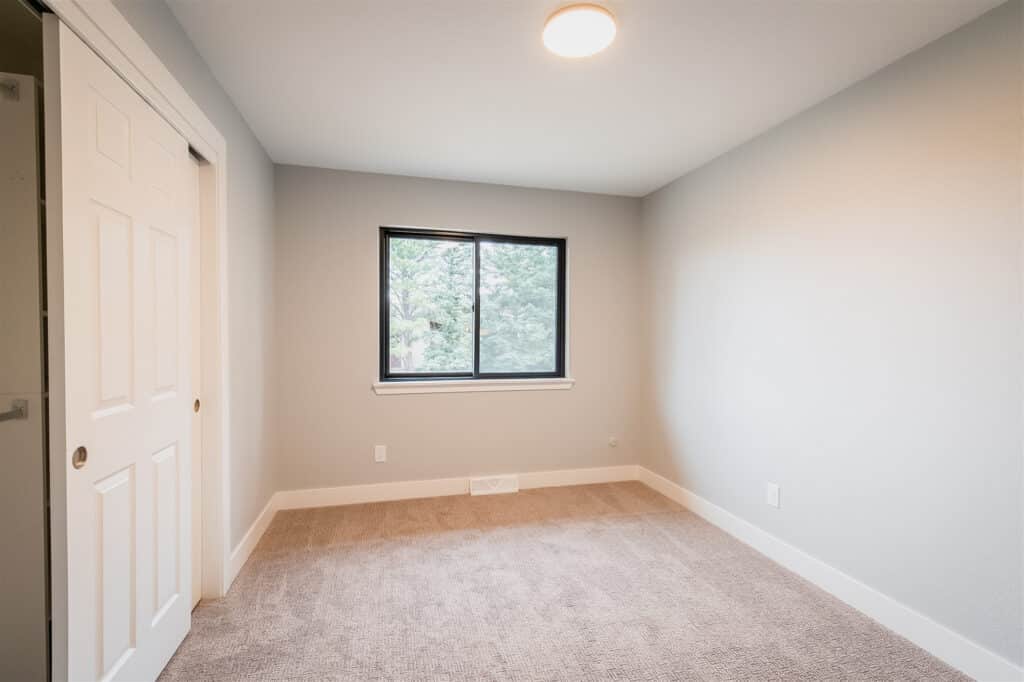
(464, 89)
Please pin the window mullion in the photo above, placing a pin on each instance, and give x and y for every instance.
(476, 308)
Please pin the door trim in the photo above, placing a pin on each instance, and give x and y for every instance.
(108, 33)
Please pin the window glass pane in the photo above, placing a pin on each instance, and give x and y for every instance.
(518, 307)
(430, 284)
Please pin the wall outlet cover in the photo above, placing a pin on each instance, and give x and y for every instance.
(380, 453)
(772, 494)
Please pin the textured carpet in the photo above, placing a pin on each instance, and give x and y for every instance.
(601, 582)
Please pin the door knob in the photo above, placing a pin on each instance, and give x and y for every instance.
(79, 456)
(195, 406)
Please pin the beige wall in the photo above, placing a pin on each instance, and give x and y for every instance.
(250, 260)
(327, 335)
(836, 307)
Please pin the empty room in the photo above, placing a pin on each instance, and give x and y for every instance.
(512, 340)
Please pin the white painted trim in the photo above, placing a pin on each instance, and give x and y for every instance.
(241, 553)
(370, 492)
(951, 647)
(214, 391)
(441, 487)
(471, 386)
(563, 477)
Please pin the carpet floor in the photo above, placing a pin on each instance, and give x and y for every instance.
(598, 582)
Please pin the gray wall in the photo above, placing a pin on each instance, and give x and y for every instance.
(836, 307)
(250, 259)
(327, 335)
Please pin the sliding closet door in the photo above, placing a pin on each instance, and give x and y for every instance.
(126, 213)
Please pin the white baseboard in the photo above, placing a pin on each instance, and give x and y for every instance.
(371, 492)
(240, 554)
(440, 487)
(562, 477)
(955, 649)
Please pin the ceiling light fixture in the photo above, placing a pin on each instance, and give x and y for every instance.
(579, 30)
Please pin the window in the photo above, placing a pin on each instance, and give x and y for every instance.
(457, 305)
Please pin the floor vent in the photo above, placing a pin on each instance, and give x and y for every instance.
(494, 485)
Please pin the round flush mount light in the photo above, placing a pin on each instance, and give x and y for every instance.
(579, 30)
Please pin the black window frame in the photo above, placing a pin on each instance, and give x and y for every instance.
(475, 238)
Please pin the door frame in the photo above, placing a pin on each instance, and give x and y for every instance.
(99, 24)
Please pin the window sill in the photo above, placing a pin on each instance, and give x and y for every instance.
(471, 386)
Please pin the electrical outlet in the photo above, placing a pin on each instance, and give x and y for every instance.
(772, 494)
(380, 453)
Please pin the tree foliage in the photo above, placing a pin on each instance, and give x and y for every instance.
(518, 307)
(431, 288)
(431, 294)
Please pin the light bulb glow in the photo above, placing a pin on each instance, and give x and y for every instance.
(579, 31)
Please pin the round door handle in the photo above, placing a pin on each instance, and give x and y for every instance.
(195, 406)
(79, 457)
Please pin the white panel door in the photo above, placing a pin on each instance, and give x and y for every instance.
(127, 228)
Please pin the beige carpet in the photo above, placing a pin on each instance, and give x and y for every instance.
(601, 582)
